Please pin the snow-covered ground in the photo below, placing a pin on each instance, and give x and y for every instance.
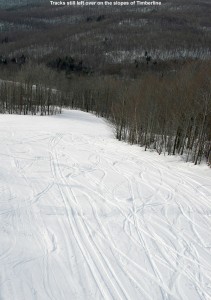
(83, 216)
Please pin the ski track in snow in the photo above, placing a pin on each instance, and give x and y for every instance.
(83, 216)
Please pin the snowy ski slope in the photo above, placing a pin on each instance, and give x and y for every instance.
(83, 216)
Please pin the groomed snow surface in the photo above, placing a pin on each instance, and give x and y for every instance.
(83, 216)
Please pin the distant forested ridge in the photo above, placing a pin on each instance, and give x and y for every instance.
(16, 3)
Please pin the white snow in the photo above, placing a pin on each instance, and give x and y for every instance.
(83, 216)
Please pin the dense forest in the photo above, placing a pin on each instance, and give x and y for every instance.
(147, 70)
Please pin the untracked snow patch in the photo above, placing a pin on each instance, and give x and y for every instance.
(83, 216)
